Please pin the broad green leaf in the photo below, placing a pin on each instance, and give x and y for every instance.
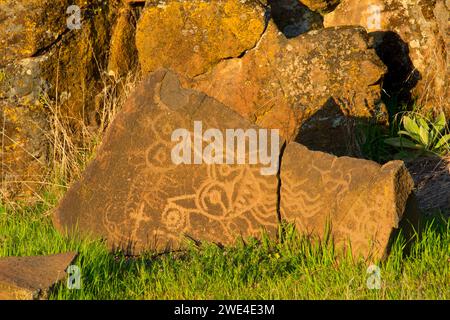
(406, 133)
(403, 143)
(442, 141)
(412, 127)
(433, 134)
(440, 122)
(424, 136)
(423, 123)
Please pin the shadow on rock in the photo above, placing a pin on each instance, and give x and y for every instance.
(431, 177)
(293, 18)
(402, 76)
(330, 130)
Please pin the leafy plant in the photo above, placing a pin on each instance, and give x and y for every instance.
(422, 135)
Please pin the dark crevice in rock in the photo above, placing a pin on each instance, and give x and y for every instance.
(293, 18)
(331, 7)
(402, 76)
(243, 53)
(44, 50)
(136, 3)
(282, 149)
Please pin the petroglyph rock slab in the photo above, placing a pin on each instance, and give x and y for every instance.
(27, 278)
(136, 197)
(357, 201)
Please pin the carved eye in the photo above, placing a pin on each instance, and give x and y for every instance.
(213, 199)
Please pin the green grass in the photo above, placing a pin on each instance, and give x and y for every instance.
(294, 269)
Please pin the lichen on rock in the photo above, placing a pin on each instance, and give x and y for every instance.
(413, 39)
(190, 37)
(282, 83)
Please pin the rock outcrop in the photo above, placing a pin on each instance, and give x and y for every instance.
(412, 37)
(138, 197)
(314, 84)
(48, 72)
(307, 86)
(254, 65)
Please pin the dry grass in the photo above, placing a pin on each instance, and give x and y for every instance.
(71, 142)
(72, 148)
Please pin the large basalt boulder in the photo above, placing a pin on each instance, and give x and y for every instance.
(305, 86)
(135, 195)
(358, 203)
(190, 37)
(412, 37)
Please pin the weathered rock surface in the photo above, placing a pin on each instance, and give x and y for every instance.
(190, 37)
(324, 76)
(122, 50)
(359, 202)
(24, 151)
(293, 18)
(134, 195)
(322, 6)
(30, 278)
(413, 39)
(431, 177)
(29, 26)
(46, 64)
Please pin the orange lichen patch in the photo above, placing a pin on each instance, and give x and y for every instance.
(29, 26)
(283, 82)
(122, 50)
(22, 154)
(192, 36)
(413, 40)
